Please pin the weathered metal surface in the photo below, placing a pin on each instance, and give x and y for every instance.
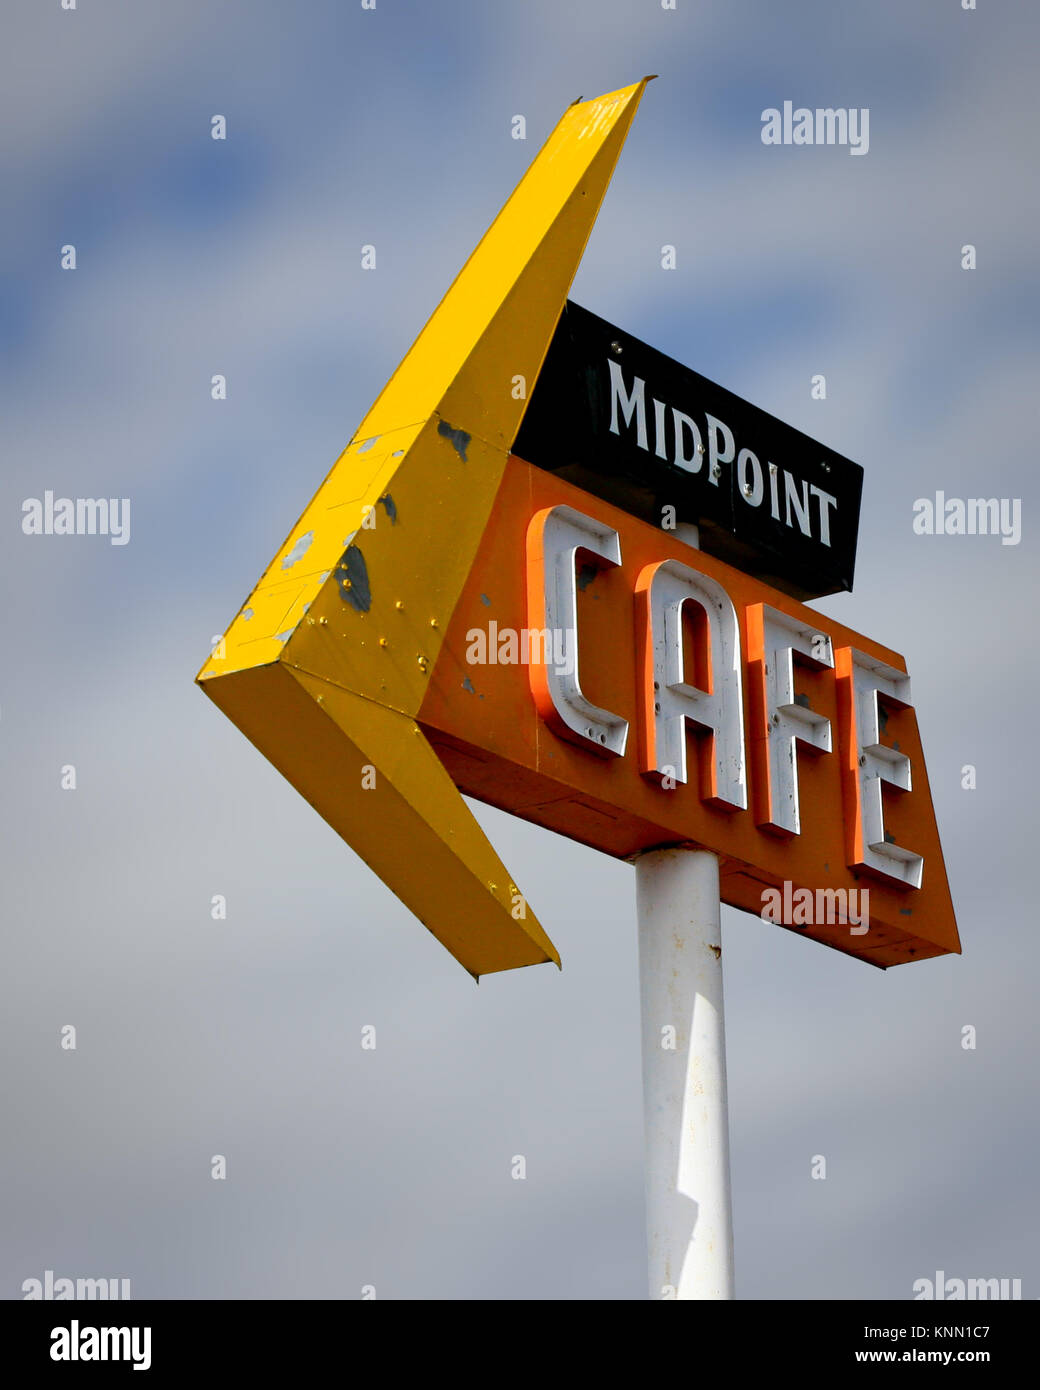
(689, 1226)
(329, 660)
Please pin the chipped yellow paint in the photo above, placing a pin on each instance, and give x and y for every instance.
(359, 477)
(327, 663)
(420, 560)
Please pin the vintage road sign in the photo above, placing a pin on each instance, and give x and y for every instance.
(627, 423)
(451, 616)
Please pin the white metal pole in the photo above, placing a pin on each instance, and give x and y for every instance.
(689, 1220)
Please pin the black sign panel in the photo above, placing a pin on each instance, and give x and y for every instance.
(627, 423)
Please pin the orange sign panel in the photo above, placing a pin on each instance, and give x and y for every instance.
(564, 717)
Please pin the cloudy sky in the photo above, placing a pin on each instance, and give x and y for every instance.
(241, 1037)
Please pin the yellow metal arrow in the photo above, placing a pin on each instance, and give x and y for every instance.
(325, 667)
